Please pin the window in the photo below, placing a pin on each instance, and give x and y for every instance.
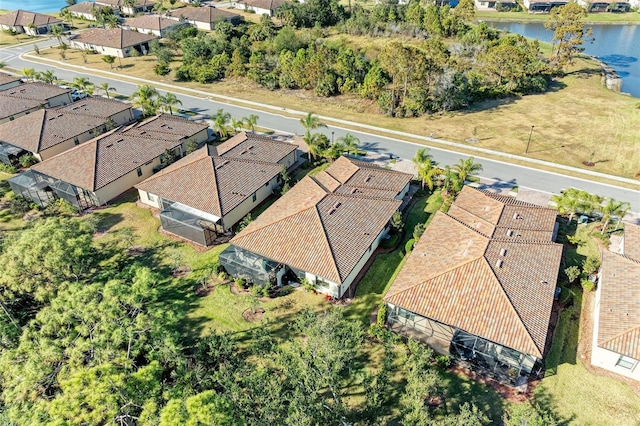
(11, 118)
(139, 171)
(76, 141)
(626, 362)
(151, 197)
(253, 197)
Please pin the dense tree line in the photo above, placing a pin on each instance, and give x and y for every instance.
(448, 64)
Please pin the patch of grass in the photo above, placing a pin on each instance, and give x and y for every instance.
(588, 245)
(386, 266)
(460, 389)
(565, 340)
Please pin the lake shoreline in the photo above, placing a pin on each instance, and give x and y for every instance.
(529, 21)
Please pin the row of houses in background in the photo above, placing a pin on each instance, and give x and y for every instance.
(545, 6)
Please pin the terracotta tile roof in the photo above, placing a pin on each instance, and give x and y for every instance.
(211, 184)
(120, 3)
(95, 106)
(171, 126)
(255, 147)
(85, 7)
(100, 161)
(263, 4)
(498, 288)
(11, 106)
(45, 128)
(207, 14)
(632, 241)
(24, 18)
(7, 78)
(619, 319)
(38, 91)
(150, 22)
(116, 38)
(334, 230)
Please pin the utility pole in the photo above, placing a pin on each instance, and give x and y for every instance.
(526, 151)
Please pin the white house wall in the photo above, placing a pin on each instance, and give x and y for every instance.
(157, 33)
(126, 182)
(246, 206)
(289, 160)
(605, 358)
(123, 117)
(62, 99)
(146, 199)
(20, 114)
(63, 146)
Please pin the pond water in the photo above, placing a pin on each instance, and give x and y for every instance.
(615, 45)
(41, 6)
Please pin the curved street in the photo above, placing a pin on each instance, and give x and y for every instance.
(502, 171)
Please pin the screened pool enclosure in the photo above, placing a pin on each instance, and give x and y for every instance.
(42, 190)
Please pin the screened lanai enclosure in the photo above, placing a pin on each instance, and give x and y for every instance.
(250, 266)
(10, 154)
(42, 190)
(194, 225)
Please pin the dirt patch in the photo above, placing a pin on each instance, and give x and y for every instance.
(136, 250)
(253, 314)
(180, 271)
(237, 290)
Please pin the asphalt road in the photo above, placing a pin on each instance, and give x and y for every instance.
(529, 177)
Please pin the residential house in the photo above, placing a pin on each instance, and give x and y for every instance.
(605, 5)
(113, 41)
(205, 17)
(323, 230)
(12, 108)
(85, 10)
(151, 24)
(49, 95)
(206, 193)
(174, 128)
(99, 170)
(542, 6)
(260, 7)
(479, 284)
(8, 81)
(22, 21)
(495, 5)
(48, 132)
(141, 6)
(616, 316)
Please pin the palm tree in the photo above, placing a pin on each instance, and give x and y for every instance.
(350, 143)
(131, 4)
(66, 14)
(317, 142)
(2, 64)
(29, 73)
(47, 76)
(613, 208)
(105, 88)
(251, 121)
(111, 21)
(422, 157)
(236, 124)
(466, 169)
(109, 59)
(221, 123)
(168, 101)
(57, 31)
(310, 122)
(428, 174)
(144, 97)
(83, 84)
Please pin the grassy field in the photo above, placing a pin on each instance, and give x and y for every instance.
(578, 120)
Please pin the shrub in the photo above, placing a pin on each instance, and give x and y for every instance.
(418, 230)
(587, 284)
(308, 285)
(590, 265)
(162, 68)
(382, 315)
(443, 361)
(27, 160)
(572, 272)
(19, 205)
(240, 282)
(60, 207)
(409, 246)
(390, 242)
(5, 168)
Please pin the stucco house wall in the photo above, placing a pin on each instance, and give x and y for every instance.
(119, 53)
(126, 182)
(62, 99)
(63, 146)
(20, 114)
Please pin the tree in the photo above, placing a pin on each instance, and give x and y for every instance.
(466, 169)
(350, 143)
(221, 123)
(311, 121)
(145, 98)
(168, 101)
(613, 208)
(66, 14)
(251, 121)
(109, 59)
(427, 169)
(525, 414)
(57, 31)
(316, 142)
(572, 273)
(29, 73)
(569, 32)
(422, 383)
(396, 223)
(105, 88)
(47, 76)
(572, 201)
(82, 84)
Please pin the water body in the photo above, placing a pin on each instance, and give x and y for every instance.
(616, 45)
(41, 6)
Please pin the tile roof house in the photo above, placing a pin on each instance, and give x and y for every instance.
(260, 7)
(113, 41)
(22, 21)
(616, 325)
(480, 282)
(140, 6)
(49, 95)
(85, 10)
(8, 81)
(12, 108)
(151, 24)
(206, 193)
(99, 170)
(593, 6)
(317, 231)
(204, 17)
(48, 132)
